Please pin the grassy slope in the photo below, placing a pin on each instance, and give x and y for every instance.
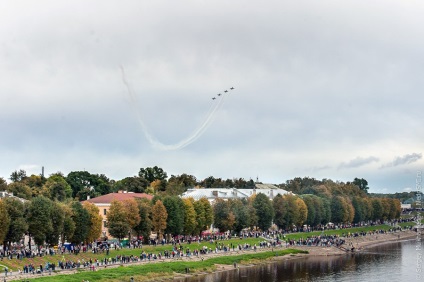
(339, 232)
(14, 264)
(147, 270)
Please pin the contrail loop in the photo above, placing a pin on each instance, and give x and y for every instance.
(183, 143)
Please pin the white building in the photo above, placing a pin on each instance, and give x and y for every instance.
(233, 193)
(5, 194)
(405, 206)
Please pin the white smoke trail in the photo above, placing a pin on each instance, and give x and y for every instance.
(133, 104)
(186, 141)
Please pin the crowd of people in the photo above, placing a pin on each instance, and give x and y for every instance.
(206, 245)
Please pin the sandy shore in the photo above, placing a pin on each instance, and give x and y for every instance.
(359, 243)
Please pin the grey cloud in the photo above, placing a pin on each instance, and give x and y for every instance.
(405, 159)
(358, 161)
(320, 168)
(313, 82)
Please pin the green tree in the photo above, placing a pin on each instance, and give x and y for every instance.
(326, 210)
(119, 229)
(264, 211)
(319, 211)
(395, 208)
(68, 223)
(58, 219)
(188, 181)
(292, 216)
(154, 173)
(377, 209)
(85, 184)
(145, 226)
(385, 202)
(358, 205)
(179, 184)
(79, 180)
(35, 183)
(253, 218)
(132, 212)
(96, 221)
(20, 190)
(18, 176)
(338, 211)
(39, 219)
(223, 217)
(56, 188)
(361, 184)
(302, 211)
(212, 182)
(241, 213)
(4, 221)
(3, 184)
(18, 226)
(175, 188)
(81, 218)
(102, 184)
(342, 210)
(200, 217)
(159, 218)
(132, 184)
(189, 216)
(312, 210)
(350, 210)
(117, 220)
(175, 210)
(208, 213)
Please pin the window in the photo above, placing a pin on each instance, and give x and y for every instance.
(104, 211)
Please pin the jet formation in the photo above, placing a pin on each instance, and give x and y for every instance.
(219, 94)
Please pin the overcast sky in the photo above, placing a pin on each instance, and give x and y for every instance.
(325, 89)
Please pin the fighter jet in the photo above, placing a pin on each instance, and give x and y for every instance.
(219, 94)
(232, 88)
(213, 98)
(226, 91)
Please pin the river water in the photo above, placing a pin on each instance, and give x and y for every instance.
(389, 262)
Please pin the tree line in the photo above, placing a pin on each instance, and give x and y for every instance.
(81, 184)
(290, 212)
(170, 215)
(154, 180)
(54, 210)
(50, 221)
(47, 221)
(173, 215)
(53, 222)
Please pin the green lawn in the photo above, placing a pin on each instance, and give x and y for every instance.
(340, 232)
(163, 269)
(14, 264)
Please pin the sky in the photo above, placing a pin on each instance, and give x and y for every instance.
(323, 89)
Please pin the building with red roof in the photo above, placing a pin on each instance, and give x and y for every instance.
(103, 203)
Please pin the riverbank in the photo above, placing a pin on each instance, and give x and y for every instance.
(220, 261)
(165, 269)
(360, 243)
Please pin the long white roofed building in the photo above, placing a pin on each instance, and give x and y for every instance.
(233, 193)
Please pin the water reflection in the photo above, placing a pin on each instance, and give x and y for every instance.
(395, 261)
